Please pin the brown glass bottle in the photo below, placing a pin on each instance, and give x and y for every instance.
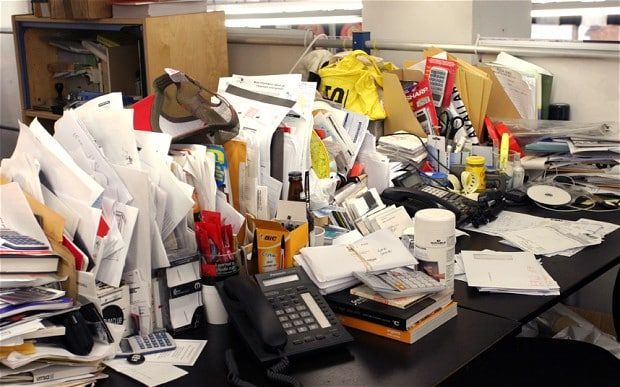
(295, 187)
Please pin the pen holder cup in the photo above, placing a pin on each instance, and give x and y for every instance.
(213, 306)
(317, 236)
(511, 160)
(217, 266)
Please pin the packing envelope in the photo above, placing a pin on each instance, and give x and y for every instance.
(474, 86)
(399, 113)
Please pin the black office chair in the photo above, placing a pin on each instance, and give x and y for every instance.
(537, 361)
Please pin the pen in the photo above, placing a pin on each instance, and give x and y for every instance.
(282, 247)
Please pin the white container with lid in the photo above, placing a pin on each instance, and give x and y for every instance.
(434, 243)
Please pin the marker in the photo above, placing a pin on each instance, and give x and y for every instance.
(503, 151)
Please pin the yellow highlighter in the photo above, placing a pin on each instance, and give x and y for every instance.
(503, 151)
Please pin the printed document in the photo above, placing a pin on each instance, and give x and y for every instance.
(507, 272)
(185, 354)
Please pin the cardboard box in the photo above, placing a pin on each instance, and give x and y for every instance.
(399, 113)
(41, 8)
(80, 9)
(270, 233)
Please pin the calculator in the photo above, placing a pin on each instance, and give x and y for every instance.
(16, 241)
(400, 282)
(438, 76)
(144, 344)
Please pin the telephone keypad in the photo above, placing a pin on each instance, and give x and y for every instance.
(310, 321)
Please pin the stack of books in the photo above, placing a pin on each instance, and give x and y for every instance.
(405, 319)
(32, 306)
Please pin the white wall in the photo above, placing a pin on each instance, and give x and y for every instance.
(9, 92)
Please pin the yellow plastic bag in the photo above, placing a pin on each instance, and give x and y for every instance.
(354, 84)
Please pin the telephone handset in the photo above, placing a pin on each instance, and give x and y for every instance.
(248, 297)
(281, 313)
(425, 196)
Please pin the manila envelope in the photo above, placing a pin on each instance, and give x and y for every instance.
(399, 113)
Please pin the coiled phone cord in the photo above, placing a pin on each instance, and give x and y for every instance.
(233, 371)
(274, 373)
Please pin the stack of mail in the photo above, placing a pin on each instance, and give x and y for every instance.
(546, 236)
(402, 147)
(331, 268)
(507, 272)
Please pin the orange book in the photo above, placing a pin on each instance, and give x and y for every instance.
(411, 335)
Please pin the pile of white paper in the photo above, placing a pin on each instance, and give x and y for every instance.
(543, 236)
(508, 272)
(331, 268)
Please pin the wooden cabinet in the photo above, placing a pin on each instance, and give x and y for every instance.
(193, 43)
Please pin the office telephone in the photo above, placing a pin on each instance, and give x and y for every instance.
(281, 313)
(425, 196)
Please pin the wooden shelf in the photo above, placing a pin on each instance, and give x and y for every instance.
(193, 43)
(41, 114)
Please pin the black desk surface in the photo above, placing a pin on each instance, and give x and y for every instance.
(571, 273)
(370, 360)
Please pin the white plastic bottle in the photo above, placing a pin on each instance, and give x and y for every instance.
(518, 173)
(434, 243)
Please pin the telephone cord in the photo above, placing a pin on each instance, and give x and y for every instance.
(275, 372)
(233, 371)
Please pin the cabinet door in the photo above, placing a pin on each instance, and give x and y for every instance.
(194, 43)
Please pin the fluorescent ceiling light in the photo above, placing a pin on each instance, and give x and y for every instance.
(281, 21)
(288, 6)
(597, 11)
(566, 1)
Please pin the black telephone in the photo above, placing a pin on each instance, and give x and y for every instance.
(426, 196)
(281, 313)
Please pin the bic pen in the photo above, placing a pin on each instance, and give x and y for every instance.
(282, 252)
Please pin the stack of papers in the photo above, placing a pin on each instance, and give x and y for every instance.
(545, 236)
(331, 268)
(402, 147)
(508, 272)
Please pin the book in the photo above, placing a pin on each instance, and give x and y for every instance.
(411, 335)
(140, 9)
(343, 302)
(400, 302)
(7, 310)
(17, 263)
(50, 330)
(50, 373)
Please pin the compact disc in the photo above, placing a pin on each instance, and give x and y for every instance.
(549, 195)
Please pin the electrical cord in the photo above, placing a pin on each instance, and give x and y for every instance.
(319, 36)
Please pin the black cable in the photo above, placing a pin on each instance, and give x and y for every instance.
(233, 371)
(275, 373)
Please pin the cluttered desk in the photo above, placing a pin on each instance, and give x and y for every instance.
(261, 233)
